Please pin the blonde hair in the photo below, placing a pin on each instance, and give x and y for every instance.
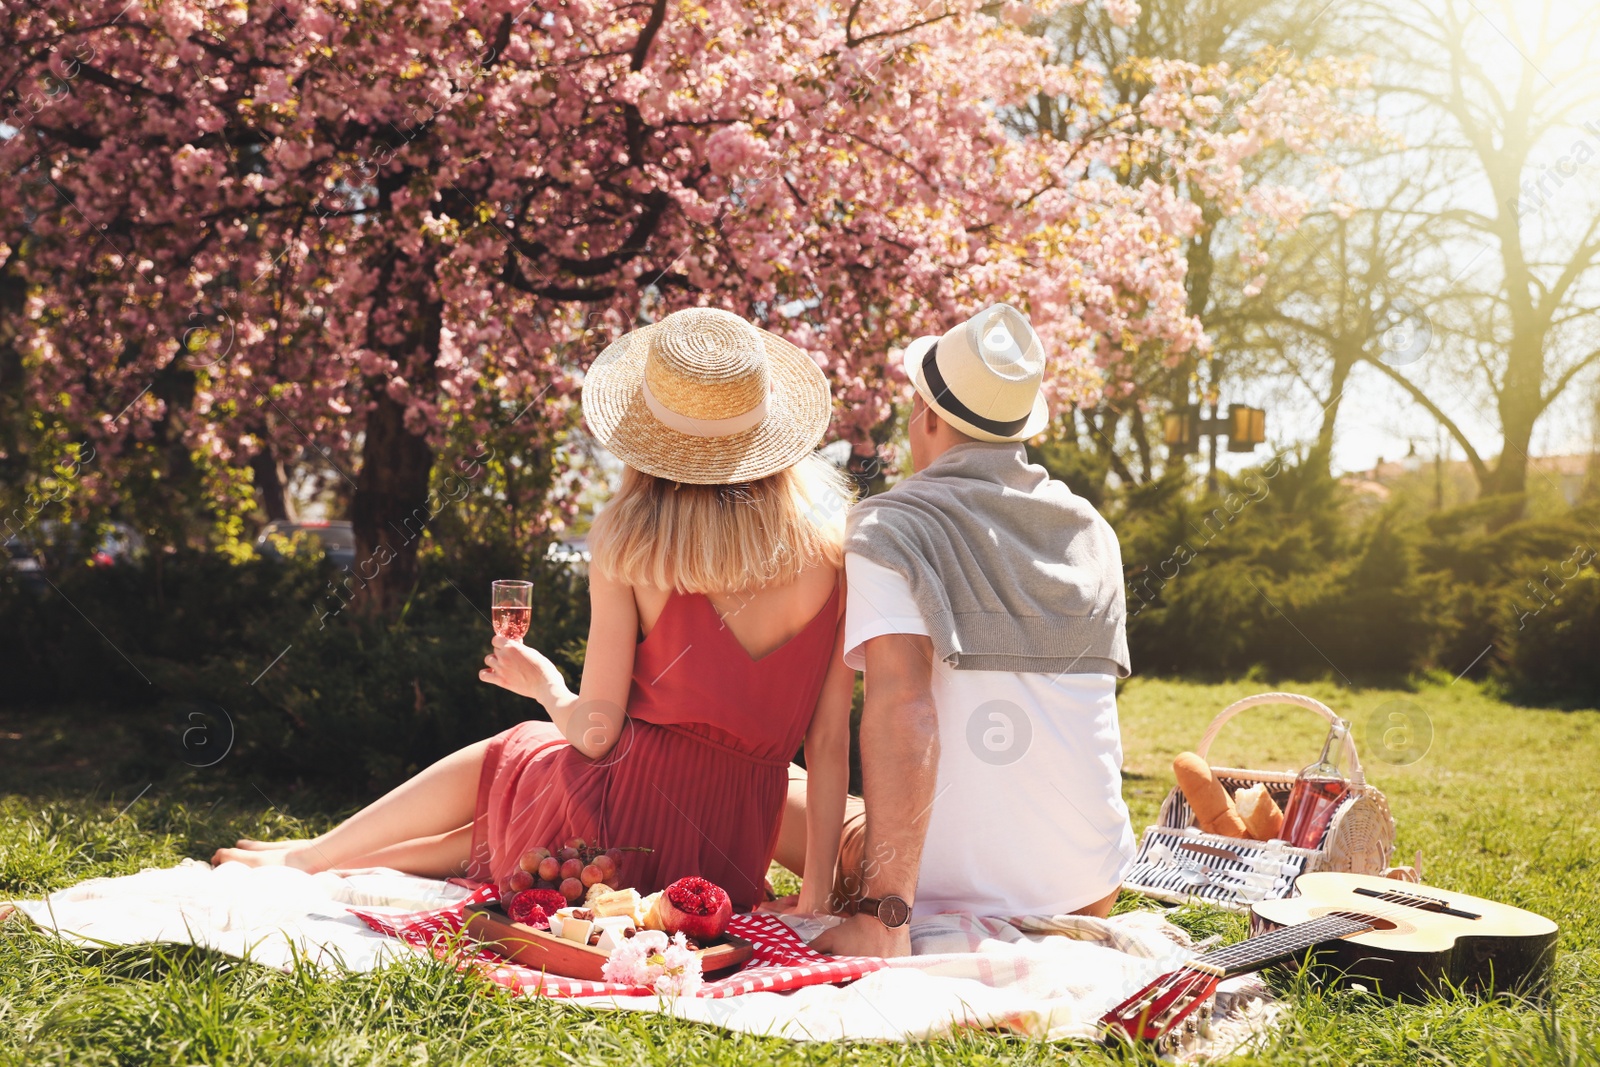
(723, 538)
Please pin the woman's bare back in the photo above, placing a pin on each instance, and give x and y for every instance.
(762, 620)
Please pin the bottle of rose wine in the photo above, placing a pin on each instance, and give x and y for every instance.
(1316, 793)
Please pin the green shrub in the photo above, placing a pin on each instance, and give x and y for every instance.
(247, 657)
(1553, 657)
(1268, 574)
(1524, 598)
(1271, 573)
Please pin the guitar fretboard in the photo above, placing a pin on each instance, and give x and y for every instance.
(1281, 944)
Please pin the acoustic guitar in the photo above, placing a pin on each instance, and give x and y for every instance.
(1400, 940)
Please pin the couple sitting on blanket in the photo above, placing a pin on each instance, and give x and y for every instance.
(732, 604)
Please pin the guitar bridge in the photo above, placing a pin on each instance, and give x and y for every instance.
(1417, 900)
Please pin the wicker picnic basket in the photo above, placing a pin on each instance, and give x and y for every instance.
(1177, 862)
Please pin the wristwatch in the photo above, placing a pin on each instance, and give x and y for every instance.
(890, 910)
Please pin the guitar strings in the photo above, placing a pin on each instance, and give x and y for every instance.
(1281, 936)
(1294, 937)
(1286, 935)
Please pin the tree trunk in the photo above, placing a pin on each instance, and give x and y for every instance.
(266, 470)
(1591, 477)
(13, 295)
(1520, 404)
(1141, 439)
(389, 510)
(1322, 451)
(1105, 434)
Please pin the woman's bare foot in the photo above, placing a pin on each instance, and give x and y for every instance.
(250, 844)
(298, 857)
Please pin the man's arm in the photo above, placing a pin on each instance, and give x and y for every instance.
(899, 768)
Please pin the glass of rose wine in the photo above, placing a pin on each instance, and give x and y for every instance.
(511, 608)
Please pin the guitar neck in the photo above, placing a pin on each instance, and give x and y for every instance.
(1257, 952)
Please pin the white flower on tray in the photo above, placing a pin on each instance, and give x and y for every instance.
(648, 959)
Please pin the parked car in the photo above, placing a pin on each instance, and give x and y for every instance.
(22, 565)
(119, 544)
(34, 552)
(337, 538)
(573, 551)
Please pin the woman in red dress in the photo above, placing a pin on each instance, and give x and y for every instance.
(713, 653)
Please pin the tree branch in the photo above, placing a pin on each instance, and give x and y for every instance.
(647, 36)
(1565, 380)
(852, 41)
(1480, 469)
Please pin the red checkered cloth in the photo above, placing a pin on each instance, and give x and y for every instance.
(780, 961)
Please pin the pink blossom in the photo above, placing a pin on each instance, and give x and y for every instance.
(460, 234)
(1122, 12)
(648, 960)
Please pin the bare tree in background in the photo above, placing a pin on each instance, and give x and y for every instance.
(1497, 93)
(1207, 32)
(1340, 292)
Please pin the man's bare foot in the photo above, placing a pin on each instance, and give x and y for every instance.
(300, 858)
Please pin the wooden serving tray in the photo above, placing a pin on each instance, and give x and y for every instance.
(556, 955)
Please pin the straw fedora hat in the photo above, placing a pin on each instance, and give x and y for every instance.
(706, 398)
(983, 377)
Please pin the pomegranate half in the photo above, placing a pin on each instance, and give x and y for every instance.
(696, 908)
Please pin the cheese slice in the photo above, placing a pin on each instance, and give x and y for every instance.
(613, 931)
(619, 902)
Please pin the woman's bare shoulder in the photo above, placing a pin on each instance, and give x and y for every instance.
(814, 585)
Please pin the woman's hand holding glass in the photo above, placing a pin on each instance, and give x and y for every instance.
(524, 671)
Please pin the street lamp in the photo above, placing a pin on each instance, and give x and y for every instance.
(1245, 427)
(1181, 432)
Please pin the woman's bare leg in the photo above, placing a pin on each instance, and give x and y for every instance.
(439, 856)
(791, 851)
(1100, 909)
(437, 802)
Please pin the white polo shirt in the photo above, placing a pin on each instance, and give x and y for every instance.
(1028, 816)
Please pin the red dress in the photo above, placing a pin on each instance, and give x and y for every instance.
(699, 774)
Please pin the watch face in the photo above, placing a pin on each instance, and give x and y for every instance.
(893, 912)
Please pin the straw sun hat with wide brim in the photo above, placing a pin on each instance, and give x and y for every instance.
(706, 398)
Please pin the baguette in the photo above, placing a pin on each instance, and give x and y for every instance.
(1261, 814)
(1212, 806)
(651, 907)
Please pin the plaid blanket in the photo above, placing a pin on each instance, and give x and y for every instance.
(780, 961)
(1048, 977)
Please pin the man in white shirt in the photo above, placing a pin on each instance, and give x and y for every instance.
(986, 606)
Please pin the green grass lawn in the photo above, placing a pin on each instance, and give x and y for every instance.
(1503, 804)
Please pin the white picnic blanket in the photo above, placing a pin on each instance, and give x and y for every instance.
(1044, 977)
(270, 915)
